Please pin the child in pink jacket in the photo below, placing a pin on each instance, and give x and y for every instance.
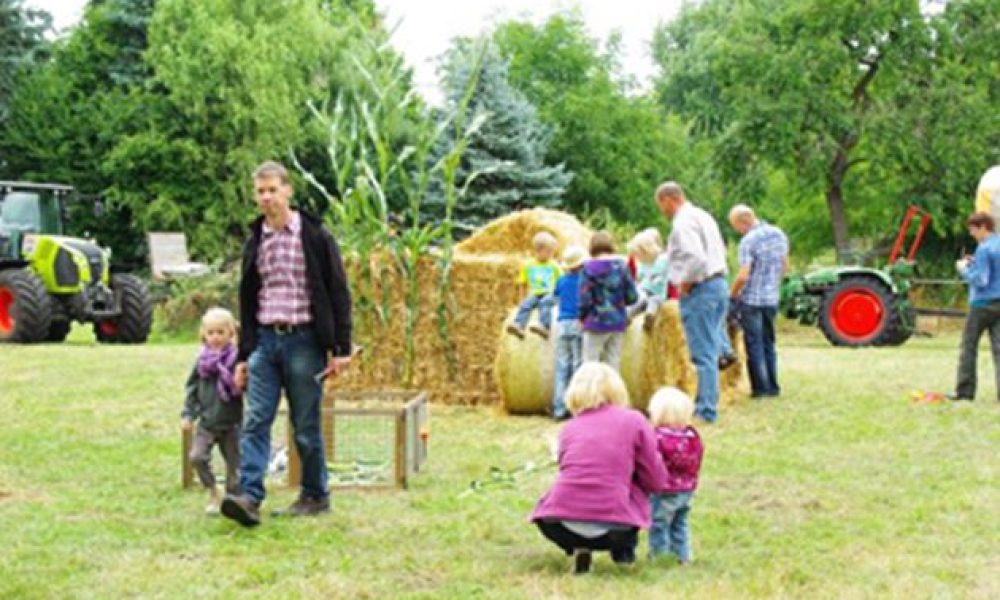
(670, 412)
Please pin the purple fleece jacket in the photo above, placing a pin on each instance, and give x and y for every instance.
(606, 290)
(608, 466)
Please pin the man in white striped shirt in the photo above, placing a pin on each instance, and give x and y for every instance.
(697, 264)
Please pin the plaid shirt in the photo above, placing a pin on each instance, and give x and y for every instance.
(284, 290)
(763, 249)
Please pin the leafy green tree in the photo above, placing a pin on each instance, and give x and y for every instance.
(792, 90)
(503, 167)
(22, 44)
(237, 78)
(68, 115)
(617, 142)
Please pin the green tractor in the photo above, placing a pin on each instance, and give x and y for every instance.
(48, 280)
(856, 305)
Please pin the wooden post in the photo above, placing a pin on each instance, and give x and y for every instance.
(401, 449)
(187, 473)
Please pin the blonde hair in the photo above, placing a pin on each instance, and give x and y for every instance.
(670, 407)
(645, 244)
(595, 384)
(218, 316)
(544, 240)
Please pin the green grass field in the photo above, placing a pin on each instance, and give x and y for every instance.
(839, 489)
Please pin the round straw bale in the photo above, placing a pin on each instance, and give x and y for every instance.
(512, 234)
(525, 370)
(657, 358)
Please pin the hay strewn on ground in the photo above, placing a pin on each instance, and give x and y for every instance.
(483, 293)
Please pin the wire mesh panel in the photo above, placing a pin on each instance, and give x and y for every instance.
(372, 439)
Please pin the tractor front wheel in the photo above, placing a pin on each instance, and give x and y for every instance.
(133, 324)
(25, 307)
(858, 311)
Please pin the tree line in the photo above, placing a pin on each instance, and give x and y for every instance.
(829, 117)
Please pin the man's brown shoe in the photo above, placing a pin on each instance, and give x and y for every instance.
(305, 507)
(242, 509)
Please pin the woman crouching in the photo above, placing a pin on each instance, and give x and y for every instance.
(608, 467)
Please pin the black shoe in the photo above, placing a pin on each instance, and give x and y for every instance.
(563, 417)
(242, 509)
(726, 361)
(623, 556)
(305, 507)
(956, 398)
(582, 562)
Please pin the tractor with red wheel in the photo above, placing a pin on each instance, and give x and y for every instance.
(48, 280)
(861, 306)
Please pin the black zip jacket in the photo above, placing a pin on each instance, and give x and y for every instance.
(329, 298)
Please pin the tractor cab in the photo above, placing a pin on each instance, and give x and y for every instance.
(49, 279)
(29, 208)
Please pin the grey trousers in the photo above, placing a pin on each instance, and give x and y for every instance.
(980, 319)
(201, 456)
(604, 347)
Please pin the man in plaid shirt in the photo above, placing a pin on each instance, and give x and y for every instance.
(295, 308)
(763, 257)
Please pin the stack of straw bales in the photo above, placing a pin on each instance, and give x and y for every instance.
(484, 289)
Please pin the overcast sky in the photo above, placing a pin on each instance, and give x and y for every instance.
(426, 26)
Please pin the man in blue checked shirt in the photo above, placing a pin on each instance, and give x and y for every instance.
(763, 255)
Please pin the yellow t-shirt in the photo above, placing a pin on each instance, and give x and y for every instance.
(540, 277)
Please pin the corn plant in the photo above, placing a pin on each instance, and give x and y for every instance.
(366, 165)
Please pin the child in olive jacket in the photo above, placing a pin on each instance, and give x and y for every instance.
(213, 401)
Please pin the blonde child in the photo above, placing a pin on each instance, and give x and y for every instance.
(538, 278)
(670, 411)
(606, 289)
(213, 401)
(651, 275)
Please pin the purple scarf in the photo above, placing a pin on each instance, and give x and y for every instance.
(221, 363)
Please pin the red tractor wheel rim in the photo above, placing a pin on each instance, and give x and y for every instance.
(857, 314)
(108, 328)
(6, 308)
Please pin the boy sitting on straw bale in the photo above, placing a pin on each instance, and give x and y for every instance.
(539, 277)
(651, 275)
(606, 289)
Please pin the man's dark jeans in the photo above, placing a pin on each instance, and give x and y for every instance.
(289, 361)
(762, 361)
(980, 319)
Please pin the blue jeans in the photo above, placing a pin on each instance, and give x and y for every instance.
(569, 355)
(544, 305)
(288, 361)
(703, 310)
(669, 532)
(725, 344)
(758, 335)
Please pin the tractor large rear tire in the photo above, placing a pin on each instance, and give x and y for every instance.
(903, 326)
(25, 307)
(858, 311)
(136, 319)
